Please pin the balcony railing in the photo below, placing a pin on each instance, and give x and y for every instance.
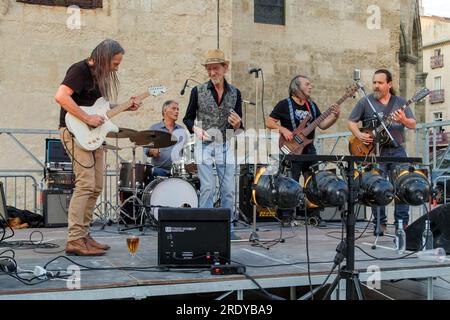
(437, 96)
(437, 61)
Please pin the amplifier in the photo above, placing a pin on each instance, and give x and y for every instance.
(245, 194)
(55, 206)
(60, 180)
(193, 237)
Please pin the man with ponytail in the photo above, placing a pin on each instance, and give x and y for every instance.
(84, 83)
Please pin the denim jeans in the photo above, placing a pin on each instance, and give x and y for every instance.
(221, 155)
(401, 210)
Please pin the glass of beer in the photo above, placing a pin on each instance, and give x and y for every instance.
(132, 244)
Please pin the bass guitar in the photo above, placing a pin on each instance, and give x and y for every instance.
(300, 140)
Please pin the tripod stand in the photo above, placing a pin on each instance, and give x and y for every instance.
(105, 206)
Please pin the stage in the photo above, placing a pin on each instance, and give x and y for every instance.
(283, 265)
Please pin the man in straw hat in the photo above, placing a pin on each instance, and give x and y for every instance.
(213, 114)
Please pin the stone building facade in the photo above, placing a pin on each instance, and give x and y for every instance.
(166, 39)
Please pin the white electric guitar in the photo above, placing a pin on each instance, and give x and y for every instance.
(89, 138)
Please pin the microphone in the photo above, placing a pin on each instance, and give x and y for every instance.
(253, 70)
(184, 87)
(249, 102)
(356, 74)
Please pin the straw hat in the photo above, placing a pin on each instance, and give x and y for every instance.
(215, 56)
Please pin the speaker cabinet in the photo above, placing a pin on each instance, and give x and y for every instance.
(56, 207)
(193, 237)
(439, 225)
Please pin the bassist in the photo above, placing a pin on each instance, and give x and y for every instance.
(84, 83)
(287, 116)
(385, 102)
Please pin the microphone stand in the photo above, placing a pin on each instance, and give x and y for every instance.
(379, 121)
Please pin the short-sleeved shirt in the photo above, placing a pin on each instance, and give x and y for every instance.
(281, 113)
(173, 153)
(85, 92)
(363, 112)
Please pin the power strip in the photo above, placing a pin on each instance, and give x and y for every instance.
(227, 269)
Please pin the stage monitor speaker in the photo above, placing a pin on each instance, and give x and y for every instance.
(245, 194)
(193, 237)
(56, 207)
(3, 210)
(440, 226)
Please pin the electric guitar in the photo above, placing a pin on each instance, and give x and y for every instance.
(300, 140)
(89, 138)
(358, 148)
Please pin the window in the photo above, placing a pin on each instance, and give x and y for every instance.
(437, 116)
(269, 11)
(437, 83)
(437, 52)
(86, 4)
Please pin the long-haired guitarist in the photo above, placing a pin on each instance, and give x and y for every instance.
(287, 116)
(386, 102)
(84, 83)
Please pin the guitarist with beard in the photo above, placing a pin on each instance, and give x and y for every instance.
(385, 102)
(287, 116)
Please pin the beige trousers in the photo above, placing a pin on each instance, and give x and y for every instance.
(88, 169)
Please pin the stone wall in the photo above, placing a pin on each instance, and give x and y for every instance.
(165, 41)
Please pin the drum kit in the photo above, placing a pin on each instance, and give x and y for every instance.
(140, 192)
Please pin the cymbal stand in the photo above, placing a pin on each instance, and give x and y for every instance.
(134, 198)
(105, 206)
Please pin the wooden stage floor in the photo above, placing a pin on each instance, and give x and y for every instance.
(283, 265)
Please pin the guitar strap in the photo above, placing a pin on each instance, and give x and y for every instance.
(291, 111)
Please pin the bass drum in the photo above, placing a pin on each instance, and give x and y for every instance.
(169, 192)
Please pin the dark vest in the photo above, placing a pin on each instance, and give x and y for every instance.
(212, 116)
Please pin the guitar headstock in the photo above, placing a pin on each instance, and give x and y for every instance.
(350, 91)
(420, 94)
(156, 91)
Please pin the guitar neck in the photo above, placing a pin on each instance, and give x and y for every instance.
(125, 106)
(390, 118)
(322, 117)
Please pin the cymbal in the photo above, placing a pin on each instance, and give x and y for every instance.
(123, 133)
(111, 147)
(153, 139)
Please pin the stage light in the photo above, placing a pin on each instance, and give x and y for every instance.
(374, 190)
(325, 189)
(271, 191)
(412, 187)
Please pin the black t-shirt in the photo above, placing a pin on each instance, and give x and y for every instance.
(281, 113)
(79, 78)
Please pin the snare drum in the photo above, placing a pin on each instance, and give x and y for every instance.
(143, 176)
(160, 193)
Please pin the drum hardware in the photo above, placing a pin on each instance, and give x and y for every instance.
(105, 206)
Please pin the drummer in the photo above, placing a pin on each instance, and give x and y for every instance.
(162, 158)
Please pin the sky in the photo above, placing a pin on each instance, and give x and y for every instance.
(437, 7)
